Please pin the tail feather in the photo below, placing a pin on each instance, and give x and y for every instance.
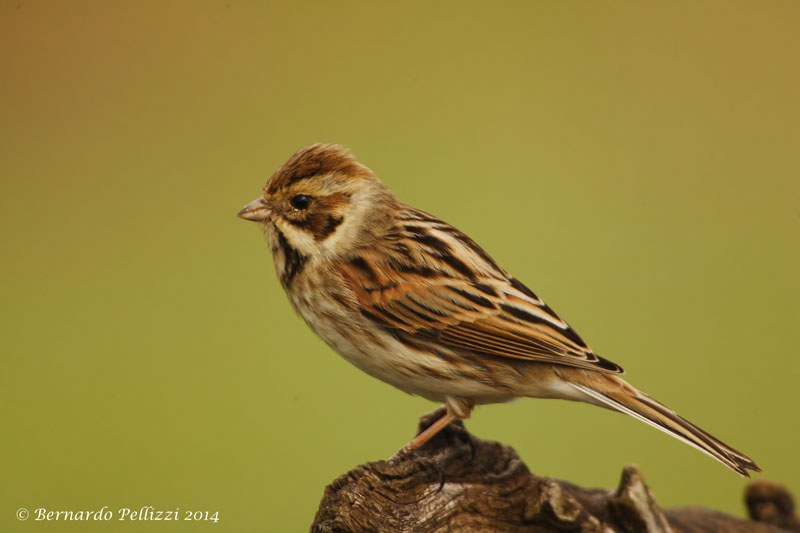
(628, 400)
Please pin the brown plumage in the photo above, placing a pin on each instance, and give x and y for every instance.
(414, 302)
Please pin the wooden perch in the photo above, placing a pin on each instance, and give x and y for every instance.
(457, 482)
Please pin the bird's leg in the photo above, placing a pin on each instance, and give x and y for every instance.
(433, 416)
(454, 408)
(432, 430)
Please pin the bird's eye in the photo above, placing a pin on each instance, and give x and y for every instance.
(300, 202)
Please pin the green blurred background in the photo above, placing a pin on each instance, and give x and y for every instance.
(637, 164)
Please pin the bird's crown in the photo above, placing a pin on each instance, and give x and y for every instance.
(315, 160)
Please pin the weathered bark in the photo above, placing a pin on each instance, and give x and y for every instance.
(457, 482)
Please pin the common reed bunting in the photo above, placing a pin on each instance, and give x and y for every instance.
(414, 302)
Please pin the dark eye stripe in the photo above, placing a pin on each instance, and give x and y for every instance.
(330, 225)
(320, 227)
(301, 223)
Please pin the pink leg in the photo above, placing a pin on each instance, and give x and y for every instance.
(432, 430)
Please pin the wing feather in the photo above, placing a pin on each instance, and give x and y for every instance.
(433, 284)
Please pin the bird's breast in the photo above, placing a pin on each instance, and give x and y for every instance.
(328, 307)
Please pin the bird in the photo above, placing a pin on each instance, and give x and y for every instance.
(414, 302)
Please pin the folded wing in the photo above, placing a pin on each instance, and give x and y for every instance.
(434, 284)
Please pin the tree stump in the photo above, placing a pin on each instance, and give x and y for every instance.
(457, 482)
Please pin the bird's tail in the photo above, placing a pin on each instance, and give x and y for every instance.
(618, 395)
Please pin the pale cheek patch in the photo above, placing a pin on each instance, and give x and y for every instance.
(301, 240)
(348, 230)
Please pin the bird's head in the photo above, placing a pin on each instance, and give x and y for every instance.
(321, 202)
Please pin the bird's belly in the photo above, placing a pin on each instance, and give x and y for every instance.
(411, 370)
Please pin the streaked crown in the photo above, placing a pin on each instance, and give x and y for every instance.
(316, 160)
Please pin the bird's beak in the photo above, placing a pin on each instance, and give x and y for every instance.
(257, 211)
